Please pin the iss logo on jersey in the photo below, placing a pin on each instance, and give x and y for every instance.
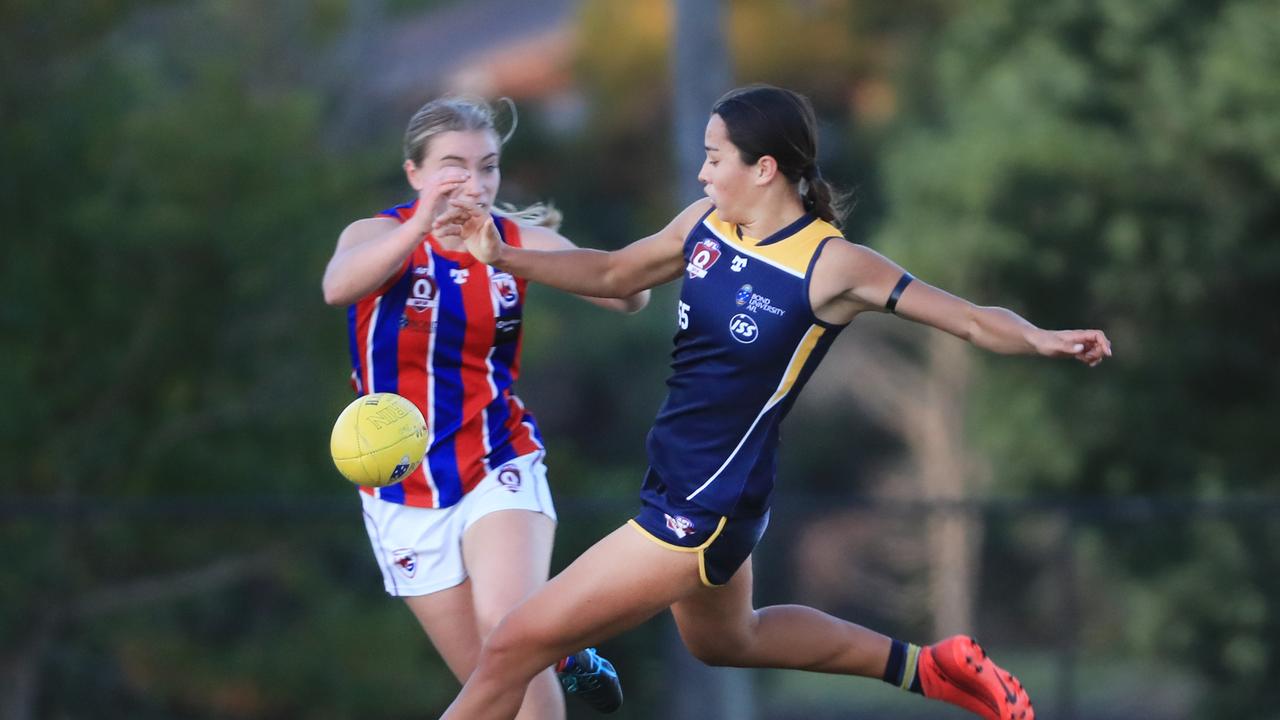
(407, 560)
(509, 478)
(743, 328)
(679, 525)
(704, 255)
(506, 290)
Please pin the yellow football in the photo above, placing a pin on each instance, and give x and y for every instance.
(378, 440)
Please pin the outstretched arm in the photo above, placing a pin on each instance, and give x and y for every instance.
(541, 238)
(852, 278)
(643, 264)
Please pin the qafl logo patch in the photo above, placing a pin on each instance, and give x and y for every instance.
(704, 255)
(509, 478)
(680, 526)
(505, 290)
(424, 293)
(407, 560)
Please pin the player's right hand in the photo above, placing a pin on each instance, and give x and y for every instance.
(1087, 346)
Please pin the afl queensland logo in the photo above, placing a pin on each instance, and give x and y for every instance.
(506, 290)
(424, 292)
(704, 255)
(509, 478)
(743, 328)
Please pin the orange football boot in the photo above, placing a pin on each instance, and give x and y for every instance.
(957, 670)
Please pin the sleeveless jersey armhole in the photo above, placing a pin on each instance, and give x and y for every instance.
(808, 280)
(694, 228)
(508, 230)
(404, 266)
(391, 281)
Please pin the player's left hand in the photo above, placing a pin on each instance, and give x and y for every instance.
(1087, 346)
(470, 222)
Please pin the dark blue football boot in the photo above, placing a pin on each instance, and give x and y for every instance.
(591, 678)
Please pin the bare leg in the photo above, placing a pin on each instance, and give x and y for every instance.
(448, 618)
(720, 627)
(508, 556)
(619, 583)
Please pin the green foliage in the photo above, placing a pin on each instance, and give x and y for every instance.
(169, 202)
(185, 258)
(1110, 164)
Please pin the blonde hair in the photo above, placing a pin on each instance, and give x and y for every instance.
(460, 114)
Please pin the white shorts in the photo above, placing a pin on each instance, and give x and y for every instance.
(420, 549)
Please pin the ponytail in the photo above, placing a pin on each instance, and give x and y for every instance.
(767, 120)
(822, 200)
(537, 215)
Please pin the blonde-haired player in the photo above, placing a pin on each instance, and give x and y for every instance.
(468, 534)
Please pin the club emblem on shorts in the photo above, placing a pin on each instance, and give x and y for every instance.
(680, 525)
(407, 560)
(743, 328)
(509, 478)
(704, 255)
(506, 290)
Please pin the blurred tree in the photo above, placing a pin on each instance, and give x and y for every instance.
(168, 204)
(1101, 163)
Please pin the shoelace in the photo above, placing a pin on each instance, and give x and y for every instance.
(584, 677)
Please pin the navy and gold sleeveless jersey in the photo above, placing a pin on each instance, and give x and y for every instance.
(747, 342)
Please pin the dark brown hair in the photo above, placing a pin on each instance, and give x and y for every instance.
(767, 120)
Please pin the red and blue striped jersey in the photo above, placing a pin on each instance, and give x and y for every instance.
(445, 332)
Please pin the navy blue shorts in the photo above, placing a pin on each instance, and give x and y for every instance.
(722, 543)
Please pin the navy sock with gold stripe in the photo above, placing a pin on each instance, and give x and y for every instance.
(901, 668)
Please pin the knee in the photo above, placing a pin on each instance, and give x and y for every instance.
(504, 640)
(512, 645)
(492, 606)
(499, 653)
(713, 649)
(487, 619)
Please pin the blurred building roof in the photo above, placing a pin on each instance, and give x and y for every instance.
(485, 47)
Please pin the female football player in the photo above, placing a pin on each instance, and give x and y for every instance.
(469, 533)
(767, 283)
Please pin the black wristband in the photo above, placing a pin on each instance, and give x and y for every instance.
(903, 282)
